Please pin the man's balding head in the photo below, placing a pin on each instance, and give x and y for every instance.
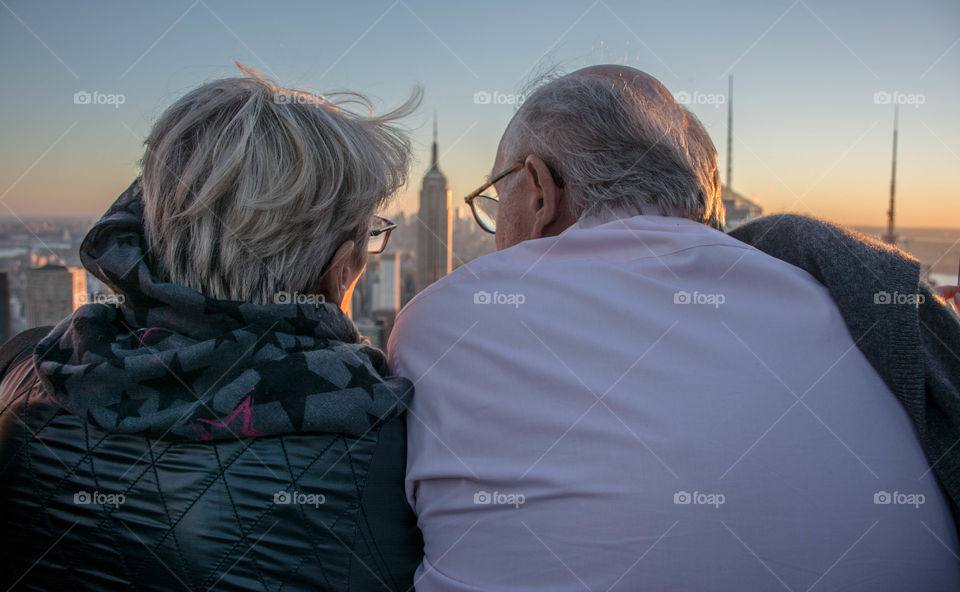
(638, 80)
(620, 142)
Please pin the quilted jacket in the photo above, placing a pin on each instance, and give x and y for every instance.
(168, 441)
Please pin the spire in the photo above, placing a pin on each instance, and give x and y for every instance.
(891, 237)
(433, 159)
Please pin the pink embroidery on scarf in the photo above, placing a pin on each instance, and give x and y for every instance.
(247, 430)
(145, 333)
(201, 433)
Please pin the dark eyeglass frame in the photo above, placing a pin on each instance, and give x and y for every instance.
(472, 198)
(387, 226)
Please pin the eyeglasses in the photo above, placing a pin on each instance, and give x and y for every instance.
(485, 209)
(484, 206)
(379, 235)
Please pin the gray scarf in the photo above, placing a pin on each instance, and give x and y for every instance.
(169, 362)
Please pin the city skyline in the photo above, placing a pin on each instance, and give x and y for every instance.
(814, 88)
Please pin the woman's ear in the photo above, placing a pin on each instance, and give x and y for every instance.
(342, 273)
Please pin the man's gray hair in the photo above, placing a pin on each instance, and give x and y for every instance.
(250, 188)
(621, 150)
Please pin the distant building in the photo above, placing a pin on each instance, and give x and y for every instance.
(469, 240)
(408, 278)
(385, 287)
(739, 208)
(4, 307)
(378, 290)
(359, 305)
(434, 228)
(52, 293)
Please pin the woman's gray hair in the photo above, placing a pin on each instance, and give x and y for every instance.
(250, 188)
(620, 149)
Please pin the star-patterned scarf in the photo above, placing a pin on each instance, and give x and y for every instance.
(169, 362)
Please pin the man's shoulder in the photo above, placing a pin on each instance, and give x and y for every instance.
(618, 244)
(621, 238)
(466, 279)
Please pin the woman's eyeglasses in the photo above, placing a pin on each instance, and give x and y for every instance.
(379, 235)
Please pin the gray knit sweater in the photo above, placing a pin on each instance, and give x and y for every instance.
(900, 324)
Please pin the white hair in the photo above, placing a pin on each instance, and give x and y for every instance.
(249, 188)
(621, 150)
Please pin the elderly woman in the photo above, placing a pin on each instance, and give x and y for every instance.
(221, 424)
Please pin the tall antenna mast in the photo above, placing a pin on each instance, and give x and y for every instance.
(433, 159)
(730, 133)
(891, 237)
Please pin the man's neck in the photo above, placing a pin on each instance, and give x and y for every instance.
(609, 215)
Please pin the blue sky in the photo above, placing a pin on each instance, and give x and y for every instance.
(809, 134)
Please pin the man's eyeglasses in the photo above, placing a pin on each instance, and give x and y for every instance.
(379, 235)
(484, 206)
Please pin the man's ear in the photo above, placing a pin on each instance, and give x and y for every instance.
(341, 274)
(546, 199)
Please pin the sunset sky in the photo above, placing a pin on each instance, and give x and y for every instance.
(812, 134)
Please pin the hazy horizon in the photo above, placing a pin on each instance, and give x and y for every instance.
(42, 217)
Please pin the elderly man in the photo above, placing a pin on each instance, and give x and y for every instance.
(623, 397)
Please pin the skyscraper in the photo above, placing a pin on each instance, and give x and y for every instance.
(385, 292)
(378, 290)
(53, 292)
(434, 256)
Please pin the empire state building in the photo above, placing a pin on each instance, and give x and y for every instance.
(434, 233)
